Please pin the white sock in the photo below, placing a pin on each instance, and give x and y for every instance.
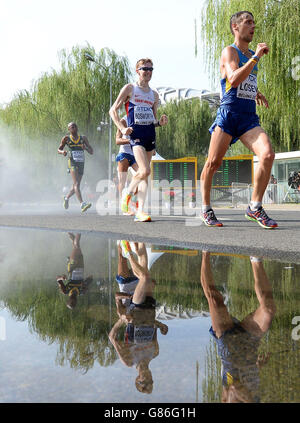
(205, 208)
(255, 205)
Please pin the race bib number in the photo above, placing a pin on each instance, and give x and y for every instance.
(77, 274)
(248, 88)
(78, 156)
(143, 115)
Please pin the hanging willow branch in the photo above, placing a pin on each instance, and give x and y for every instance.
(79, 92)
(277, 24)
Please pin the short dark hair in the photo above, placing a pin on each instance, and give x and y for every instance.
(237, 17)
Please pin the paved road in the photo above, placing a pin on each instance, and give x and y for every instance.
(238, 236)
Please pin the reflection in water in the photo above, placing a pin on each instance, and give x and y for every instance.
(238, 341)
(75, 284)
(90, 353)
(136, 310)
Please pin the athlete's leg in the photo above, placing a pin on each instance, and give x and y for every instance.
(220, 318)
(123, 268)
(260, 320)
(71, 192)
(76, 256)
(219, 144)
(140, 179)
(76, 183)
(135, 168)
(123, 166)
(141, 253)
(139, 262)
(145, 285)
(75, 239)
(259, 143)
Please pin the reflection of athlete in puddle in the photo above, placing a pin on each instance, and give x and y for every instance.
(238, 341)
(137, 312)
(75, 284)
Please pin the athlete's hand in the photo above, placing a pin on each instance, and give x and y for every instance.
(163, 329)
(65, 153)
(127, 131)
(262, 359)
(261, 100)
(163, 120)
(261, 49)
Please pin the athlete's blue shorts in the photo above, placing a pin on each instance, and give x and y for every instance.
(121, 280)
(129, 157)
(234, 123)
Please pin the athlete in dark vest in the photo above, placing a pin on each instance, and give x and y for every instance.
(77, 144)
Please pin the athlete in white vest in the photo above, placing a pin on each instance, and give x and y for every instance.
(141, 104)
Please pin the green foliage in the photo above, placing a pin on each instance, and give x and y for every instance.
(277, 24)
(28, 291)
(187, 131)
(78, 92)
(34, 122)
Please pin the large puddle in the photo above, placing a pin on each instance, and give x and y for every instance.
(89, 319)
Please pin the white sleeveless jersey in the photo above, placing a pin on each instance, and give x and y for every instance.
(139, 107)
(126, 148)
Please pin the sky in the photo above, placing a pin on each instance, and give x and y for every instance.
(32, 32)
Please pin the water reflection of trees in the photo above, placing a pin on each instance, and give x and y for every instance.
(178, 280)
(81, 334)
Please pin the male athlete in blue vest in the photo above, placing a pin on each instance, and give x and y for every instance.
(237, 119)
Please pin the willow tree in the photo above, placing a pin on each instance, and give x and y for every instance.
(277, 24)
(187, 131)
(36, 119)
(78, 91)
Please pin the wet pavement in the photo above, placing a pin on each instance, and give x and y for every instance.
(237, 236)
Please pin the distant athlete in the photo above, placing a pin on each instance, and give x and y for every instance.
(237, 119)
(77, 144)
(74, 284)
(141, 103)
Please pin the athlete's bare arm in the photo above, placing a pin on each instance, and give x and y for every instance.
(61, 284)
(163, 119)
(229, 64)
(124, 95)
(62, 146)
(87, 146)
(119, 139)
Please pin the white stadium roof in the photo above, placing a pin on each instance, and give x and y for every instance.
(167, 94)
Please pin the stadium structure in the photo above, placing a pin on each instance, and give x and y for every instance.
(167, 94)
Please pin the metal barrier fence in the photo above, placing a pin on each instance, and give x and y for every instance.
(274, 194)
